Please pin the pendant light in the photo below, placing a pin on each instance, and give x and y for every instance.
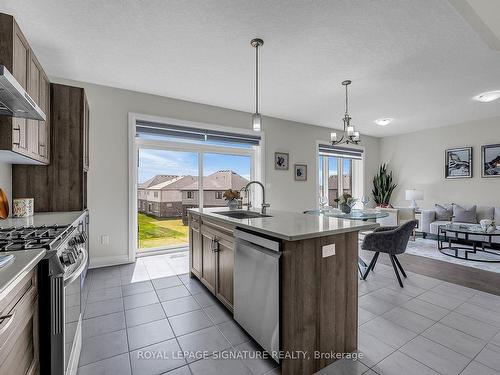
(349, 135)
(256, 117)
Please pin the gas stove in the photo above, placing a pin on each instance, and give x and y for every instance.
(25, 238)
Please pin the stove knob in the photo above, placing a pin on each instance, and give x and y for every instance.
(71, 258)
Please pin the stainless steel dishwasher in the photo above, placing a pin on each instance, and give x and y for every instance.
(256, 288)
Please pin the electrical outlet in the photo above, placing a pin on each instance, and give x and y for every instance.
(328, 250)
(104, 239)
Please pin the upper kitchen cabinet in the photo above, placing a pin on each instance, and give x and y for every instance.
(23, 141)
(62, 185)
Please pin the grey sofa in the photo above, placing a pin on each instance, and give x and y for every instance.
(430, 220)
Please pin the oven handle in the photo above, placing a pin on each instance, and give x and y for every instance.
(78, 271)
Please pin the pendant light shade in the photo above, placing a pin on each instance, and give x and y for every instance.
(256, 117)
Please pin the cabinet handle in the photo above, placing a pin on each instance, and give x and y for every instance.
(10, 317)
(19, 136)
(215, 245)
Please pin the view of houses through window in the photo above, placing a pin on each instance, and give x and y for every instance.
(335, 178)
(168, 185)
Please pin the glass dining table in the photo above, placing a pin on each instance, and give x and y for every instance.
(355, 214)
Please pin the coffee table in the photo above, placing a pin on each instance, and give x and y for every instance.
(455, 240)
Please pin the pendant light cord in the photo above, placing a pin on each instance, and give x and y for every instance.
(257, 78)
(346, 101)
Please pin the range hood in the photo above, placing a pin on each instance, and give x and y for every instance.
(14, 100)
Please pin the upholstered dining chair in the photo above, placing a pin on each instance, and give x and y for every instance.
(389, 240)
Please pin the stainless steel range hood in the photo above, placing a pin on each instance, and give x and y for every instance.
(14, 100)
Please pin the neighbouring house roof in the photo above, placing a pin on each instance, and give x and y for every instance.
(159, 178)
(174, 184)
(332, 182)
(220, 180)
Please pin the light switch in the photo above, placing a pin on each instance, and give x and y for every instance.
(104, 239)
(328, 250)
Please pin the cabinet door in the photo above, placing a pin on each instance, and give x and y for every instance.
(44, 126)
(86, 123)
(195, 242)
(225, 270)
(208, 261)
(33, 91)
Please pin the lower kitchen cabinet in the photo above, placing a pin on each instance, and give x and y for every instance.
(19, 329)
(212, 257)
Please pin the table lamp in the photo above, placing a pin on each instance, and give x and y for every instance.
(414, 196)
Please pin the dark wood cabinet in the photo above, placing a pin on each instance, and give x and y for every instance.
(212, 256)
(62, 185)
(21, 137)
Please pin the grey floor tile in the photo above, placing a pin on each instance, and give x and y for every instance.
(476, 368)
(488, 301)
(218, 314)
(496, 340)
(138, 300)
(208, 340)
(447, 302)
(436, 356)
(372, 348)
(156, 359)
(103, 324)
(149, 333)
(479, 313)
(455, 340)
(364, 316)
(105, 284)
(388, 332)
(189, 322)
(409, 289)
(144, 314)
(212, 366)
(103, 307)
(394, 296)
(137, 288)
(454, 290)
(118, 365)
(409, 319)
(184, 370)
(172, 293)
(470, 326)
(205, 299)
(399, 363)
(104, 346)
(344, 367)
(166, 282)
(232, 331)
(98, 295)
(490, 356)
(374, 304)
(426, 309)
(180, 306)
(255, 358)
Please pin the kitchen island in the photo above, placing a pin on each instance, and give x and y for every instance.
(315, 285)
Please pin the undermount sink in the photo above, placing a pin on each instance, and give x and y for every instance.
(242, 214)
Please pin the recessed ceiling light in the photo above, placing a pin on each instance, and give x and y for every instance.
(488, 96)
(383, 121)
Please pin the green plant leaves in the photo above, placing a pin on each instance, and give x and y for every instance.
(383, 186)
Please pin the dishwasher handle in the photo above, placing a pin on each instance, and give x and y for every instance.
(245, 246)
(266, 243)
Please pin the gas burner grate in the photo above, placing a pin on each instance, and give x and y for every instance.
(24, 238)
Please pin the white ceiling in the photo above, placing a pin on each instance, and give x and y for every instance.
(419, 62)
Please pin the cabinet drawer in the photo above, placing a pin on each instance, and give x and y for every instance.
(15, 317)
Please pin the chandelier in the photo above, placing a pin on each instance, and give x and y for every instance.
(349, 135)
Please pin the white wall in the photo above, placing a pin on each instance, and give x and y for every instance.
(108, 175)
(417, 160)
(6, 182)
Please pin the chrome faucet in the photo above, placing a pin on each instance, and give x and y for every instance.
(264, 204)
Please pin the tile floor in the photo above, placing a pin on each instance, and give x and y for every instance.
(138, 314)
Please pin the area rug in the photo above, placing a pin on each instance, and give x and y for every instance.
(428, 248)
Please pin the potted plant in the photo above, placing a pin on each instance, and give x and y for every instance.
(383, 187)
(232, 196)
(346, 202)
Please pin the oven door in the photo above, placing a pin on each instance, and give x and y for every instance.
(73, 316)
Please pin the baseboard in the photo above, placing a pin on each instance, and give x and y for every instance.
(97, 262)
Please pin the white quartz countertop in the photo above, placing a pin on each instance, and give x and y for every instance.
(42, 218)
(24, 261)
(289, 226)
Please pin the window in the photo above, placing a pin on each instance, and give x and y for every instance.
(340, 171)
(190, 195)
(218, 195)
(169, 205)
(156, 194)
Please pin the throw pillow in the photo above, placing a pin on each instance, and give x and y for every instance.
(443, 212)
(464, 215)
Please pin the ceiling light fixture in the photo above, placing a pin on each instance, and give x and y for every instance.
(383, 121)
(256, 117)
(349, 136)
(488, 96)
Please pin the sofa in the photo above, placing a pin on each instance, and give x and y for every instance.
(442, 214)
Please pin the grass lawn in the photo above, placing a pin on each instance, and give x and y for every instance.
(165, 232)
